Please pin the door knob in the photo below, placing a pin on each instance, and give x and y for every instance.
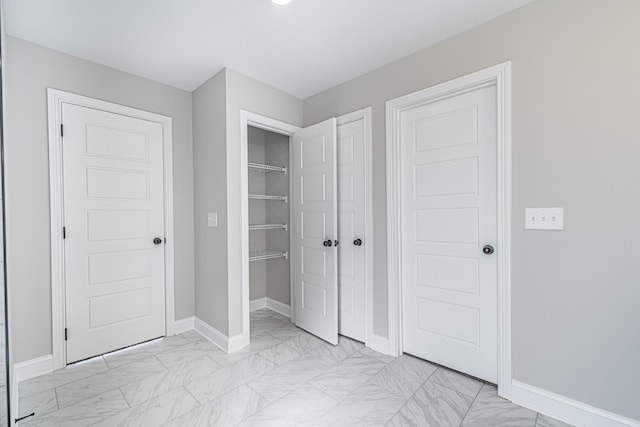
(157, 241)
(357, 242)
(336, 242)
(488, 249)
(327, 243)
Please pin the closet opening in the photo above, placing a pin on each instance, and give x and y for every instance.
(269, 214)
(306, 228)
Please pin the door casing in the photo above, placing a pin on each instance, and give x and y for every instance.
(55, 99)
(256, 120)
(500, 77)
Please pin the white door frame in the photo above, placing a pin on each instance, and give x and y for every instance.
(256, 120)
(55, 99)
(500, 76)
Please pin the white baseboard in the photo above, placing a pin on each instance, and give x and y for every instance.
(33, 368)
(271, 304)
(227, 344)
(279, 307)
(258, 304)
(566, 409)
(379, 344)
(184, 325)
(237, 342)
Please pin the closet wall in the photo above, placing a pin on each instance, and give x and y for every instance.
(257, 215)
(270, 277)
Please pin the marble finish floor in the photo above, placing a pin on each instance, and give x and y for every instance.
(286, 377)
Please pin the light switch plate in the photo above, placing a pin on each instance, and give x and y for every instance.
(212, 219)
(544, 219)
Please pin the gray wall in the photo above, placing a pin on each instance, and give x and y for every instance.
(210, 189)
(245, 93)
(257, 213)
(576, 143)
(216, 120)
(31, 69)
(278, 282)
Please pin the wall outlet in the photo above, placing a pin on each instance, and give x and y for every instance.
(212, 219)
(544, 218)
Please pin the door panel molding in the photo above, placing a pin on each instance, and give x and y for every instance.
(55, 99)
(500, 77)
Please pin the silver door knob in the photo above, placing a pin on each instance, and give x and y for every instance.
(357, 242)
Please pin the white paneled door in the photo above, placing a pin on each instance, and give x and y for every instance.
(315, 230)
(351, 229)
(449, 221)
(114, 222)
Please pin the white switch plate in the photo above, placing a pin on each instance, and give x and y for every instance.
(212, 219)
(544, 219)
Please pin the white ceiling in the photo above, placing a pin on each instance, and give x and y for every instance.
(303, 48)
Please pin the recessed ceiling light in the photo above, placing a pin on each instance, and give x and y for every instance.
(281, 2)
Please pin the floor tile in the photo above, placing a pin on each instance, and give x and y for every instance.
(372, 353)
(343, 378)
(40, 403)
(269, 324)
(433, 405)
(258, 344)
(369, 405)
(77, 391)
(281, 353)
(226, 410)
(333, 354)
(83, 413)
(192, 336)
(291, 349)
(489, 410)
(187, 380)
(286, 378)
(457, 382)
(172, 378)
(261, 314)
(141, 351)
(154, 412)
(228, 378)
(302, 407)
(546, 421)
(67, 375)
(404, 375)
(191, 350)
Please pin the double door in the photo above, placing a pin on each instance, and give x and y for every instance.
(328, 216)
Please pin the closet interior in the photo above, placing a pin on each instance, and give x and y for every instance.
(269, 269)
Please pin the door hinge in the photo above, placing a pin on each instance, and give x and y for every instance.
(66, 334)
(61, 130)
(64, 232)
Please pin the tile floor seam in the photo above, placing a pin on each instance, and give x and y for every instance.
(375, 357)
(55, 391)
(398, 411)
(125, 397)
(453, 389)
(262, 396)
(470, 406)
